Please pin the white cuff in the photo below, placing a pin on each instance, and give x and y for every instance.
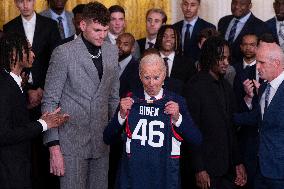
(248, 102)
(120, 119)
(43, 124)
(178, 122)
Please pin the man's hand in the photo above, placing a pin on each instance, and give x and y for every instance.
(35, 97)
(248, 87)
(56, 161)
(241, 175)
(172, 108)
(202, 180)
(125, 105)
(54, 119)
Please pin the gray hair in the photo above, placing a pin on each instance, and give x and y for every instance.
(152, 59)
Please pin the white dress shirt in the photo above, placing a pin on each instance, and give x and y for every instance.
(275, 83)
(281, 41)
(240, 25)
(18, 80)
(122, 64)
(148, 97)
(170, 61)
(150, 41)
(192, 23)
(55, 16)
(112, 38)
(29, 27)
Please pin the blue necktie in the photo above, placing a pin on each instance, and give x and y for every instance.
(233, 32)
(60, 27)
(151, 45)
(152, 98)
(186, 38)
(267, 93)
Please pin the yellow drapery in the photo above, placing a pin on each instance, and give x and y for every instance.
(135, 11)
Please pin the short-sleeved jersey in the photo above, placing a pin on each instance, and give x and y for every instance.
(151, 150)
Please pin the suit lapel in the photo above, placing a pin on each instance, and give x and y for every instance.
(274, 102)
(20, 26)
(246, 28)
(37, 32)
(87, 62)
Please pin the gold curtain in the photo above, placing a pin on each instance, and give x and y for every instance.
(135, 11)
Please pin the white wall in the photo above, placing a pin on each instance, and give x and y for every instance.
(213, 10)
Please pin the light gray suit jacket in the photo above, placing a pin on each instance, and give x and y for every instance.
(72, 83)
(69, 17)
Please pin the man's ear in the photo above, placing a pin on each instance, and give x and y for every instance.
(83, 25)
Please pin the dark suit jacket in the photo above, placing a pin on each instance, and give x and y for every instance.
(193, 44)
(271, 24)
(183, 68)
(16, 133)
(253, 25)
(46, 37)
(219, 151)
(142, 42)
(129, 74)
(66, 40)
(271, 133)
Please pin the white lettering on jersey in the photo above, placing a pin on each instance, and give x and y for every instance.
(149, 111)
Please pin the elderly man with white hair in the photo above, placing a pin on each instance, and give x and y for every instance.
(155, 121)
(268, 113)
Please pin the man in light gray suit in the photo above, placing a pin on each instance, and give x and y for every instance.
(63, 18)
(83, 79)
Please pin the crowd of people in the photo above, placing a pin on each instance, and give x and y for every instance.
(84, 105)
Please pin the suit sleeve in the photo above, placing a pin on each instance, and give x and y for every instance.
(113, 99)
(113, 130)
(188, 129)
(55, 81)
(13, 131)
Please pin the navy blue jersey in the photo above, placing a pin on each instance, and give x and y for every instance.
(151, 148)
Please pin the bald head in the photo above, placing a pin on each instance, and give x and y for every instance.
(270, 60)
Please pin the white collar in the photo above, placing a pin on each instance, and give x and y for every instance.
(18, 79)
(112, 38)
(170, 56)
(151, 41)
(277, 81)
(246, 64)
(31, 21)
(55, 15)
(192, 22)
(158, 96)
(244, 19)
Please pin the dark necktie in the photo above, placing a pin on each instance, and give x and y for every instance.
(233, 32)
(60, 27)
(152, 98)
(167, 66)
(281, 31)
(151, 45)
(186, 38)
(267, 94)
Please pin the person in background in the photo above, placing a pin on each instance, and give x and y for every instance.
(57, 12)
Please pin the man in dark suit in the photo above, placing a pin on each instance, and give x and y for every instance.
(43, 35)
(248, 136)
(152, 72)
(128, 66)
(190, 27)
(128, 72)
(275, 24)
(155, 18)
(234, 27)
(210, 99)
(268, 114)
(77, 12)
(178, 66)
(57, 12)
(16, 131)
